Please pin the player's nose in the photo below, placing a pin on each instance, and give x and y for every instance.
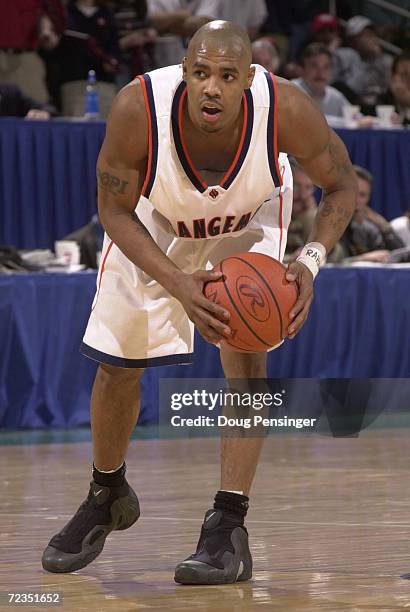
(212, 88)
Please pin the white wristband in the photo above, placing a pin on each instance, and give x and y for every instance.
(313, 255)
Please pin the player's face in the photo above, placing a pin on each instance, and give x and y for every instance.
(216, 77)
(317, 72)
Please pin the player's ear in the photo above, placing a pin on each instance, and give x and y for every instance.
(184, 68)
(251, 75)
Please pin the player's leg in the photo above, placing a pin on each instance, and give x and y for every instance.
(239, 456)
(111, 502)
(223, 554)
(115, 406)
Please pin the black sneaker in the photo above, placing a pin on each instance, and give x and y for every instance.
(83, 538)
(222, 555)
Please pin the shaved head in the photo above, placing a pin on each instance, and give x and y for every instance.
(222, 36)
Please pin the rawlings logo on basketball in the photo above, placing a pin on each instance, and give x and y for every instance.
(252, 298)
(212, 295)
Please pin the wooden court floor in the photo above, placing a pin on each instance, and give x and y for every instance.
(329, 525)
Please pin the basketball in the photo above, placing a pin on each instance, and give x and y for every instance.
(258, 297)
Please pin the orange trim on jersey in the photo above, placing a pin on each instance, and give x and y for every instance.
(275, 126)
(194, 170)
(147, 108)
(280, 223)
(102, 272)
(240, 147)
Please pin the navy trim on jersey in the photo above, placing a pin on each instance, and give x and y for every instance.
(271, 131)
(178, 141)
(153, 135)
(121, 362)
(247, 141)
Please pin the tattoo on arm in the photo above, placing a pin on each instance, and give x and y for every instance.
(336, 217)
(111, 183)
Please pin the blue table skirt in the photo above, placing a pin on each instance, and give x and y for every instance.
(359, 326)
(47, 176)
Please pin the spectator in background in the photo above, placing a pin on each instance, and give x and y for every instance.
(21, 33)
(302, 14)
(181, 18)
(398, 94)
(136, 37)
(316, 61)
(90, 43)
(304, 209)
(369, 236)
(362, 66)
(249, 15)
(174, 20)
(90, 239)
(326, 31)
(13, 103)
(401, 226)
(278, 24)
(266, 54)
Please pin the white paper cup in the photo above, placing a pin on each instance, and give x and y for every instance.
(351, 115)
(68, 251)
(385, 113)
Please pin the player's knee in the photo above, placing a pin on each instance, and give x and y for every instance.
(243, 365)
(109, 375)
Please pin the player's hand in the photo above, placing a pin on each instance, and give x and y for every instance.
(303, 277)
(377, 219)
(209, 318)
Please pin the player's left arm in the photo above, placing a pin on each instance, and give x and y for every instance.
(304, 133)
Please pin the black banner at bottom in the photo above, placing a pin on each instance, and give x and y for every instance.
(256, 407)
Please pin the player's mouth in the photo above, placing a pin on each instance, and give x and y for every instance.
(210, 113)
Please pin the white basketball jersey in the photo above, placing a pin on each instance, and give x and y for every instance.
(175, 187)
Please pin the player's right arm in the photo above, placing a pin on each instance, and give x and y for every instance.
(121, 168)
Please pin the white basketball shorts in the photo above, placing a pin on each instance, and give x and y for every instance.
(134, 322)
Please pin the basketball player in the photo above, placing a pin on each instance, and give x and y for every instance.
(189, 173)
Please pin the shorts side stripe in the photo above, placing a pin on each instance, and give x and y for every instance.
(101, 273)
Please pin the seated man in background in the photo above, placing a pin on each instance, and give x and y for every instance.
(174, 21)
(325, 30)
(89, 43)
(22, 34)
(316, 60)
(369, 236)
(266, 54)
(249, 15)
(362, 65)
(401, 226)
(399, 89)
(304, 208)
(14, 103)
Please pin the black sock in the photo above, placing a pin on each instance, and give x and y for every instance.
(232, 503)
(113, 479)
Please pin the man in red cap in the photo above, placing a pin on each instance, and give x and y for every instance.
(326, 31)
